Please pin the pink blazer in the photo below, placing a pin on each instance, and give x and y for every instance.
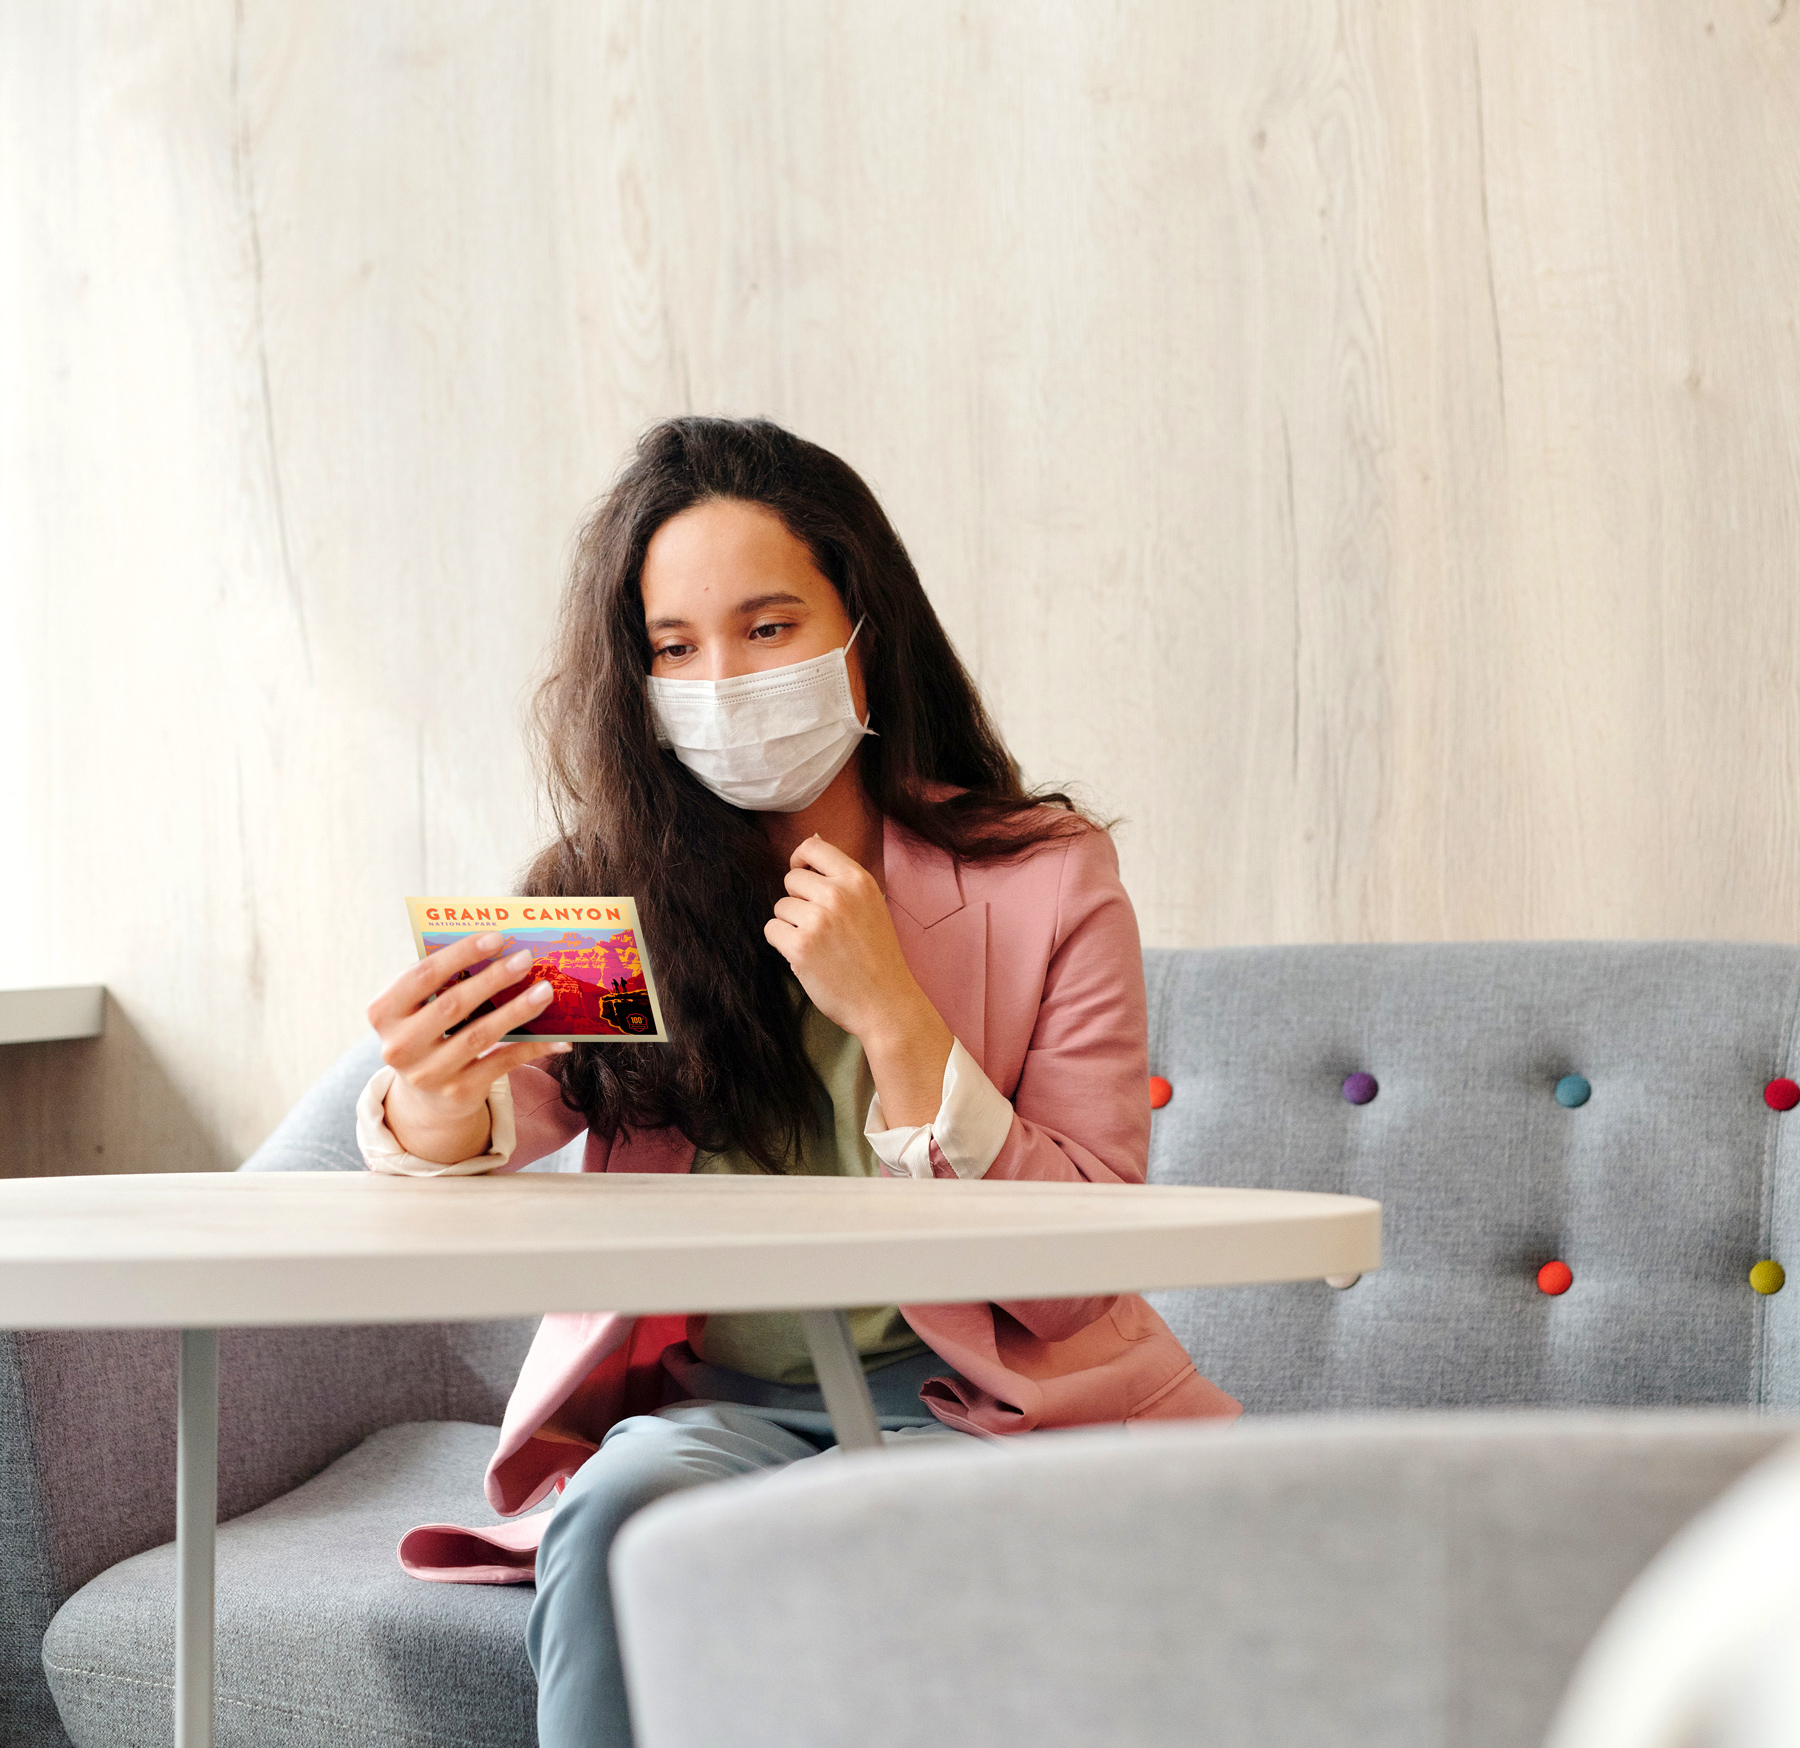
(1035, 965)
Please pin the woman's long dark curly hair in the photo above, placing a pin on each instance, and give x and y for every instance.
(631, 819)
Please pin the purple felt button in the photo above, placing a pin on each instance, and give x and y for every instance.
(1359, 1089)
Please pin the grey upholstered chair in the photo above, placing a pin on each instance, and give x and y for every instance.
(1407, 1579)
(1704, 1650)
(1659, 1192)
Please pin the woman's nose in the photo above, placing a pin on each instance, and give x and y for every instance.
(724, 664)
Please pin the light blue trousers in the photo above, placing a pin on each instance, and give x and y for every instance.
(571, 1638)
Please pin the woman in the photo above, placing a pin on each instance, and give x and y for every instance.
(876, 953)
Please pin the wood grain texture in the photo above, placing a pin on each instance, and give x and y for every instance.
(1356, 443)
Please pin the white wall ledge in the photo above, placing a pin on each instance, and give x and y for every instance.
(36, 1016)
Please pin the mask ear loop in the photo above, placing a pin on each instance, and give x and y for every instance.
(864, 724)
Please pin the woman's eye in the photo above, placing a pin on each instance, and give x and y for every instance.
(675, 651)
(768, 633)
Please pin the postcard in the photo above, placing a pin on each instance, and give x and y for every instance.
(589, 950)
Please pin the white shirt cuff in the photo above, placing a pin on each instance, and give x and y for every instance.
(971, 1126)
(381, 1149)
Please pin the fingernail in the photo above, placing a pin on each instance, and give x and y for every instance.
(487, 943)
(519, 960)
(539, 992)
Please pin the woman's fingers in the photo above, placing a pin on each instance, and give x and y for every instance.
(815, 852)
(487, 1031)
(471, 1084)
(511, 1056)
(793, 911)
(446, 1061)
(510, 1017)
(462, 999)
(448, 1076)
(408, 1041)
(418, 982)
(523, 1055)
(806, 883)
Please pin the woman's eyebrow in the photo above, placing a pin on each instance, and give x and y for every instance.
(755, 604)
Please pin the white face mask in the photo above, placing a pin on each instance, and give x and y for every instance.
(770, 742)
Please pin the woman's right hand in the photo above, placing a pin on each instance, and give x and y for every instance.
(437, 1105)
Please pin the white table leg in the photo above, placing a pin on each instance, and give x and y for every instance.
(196, 1522)
(841, 1380)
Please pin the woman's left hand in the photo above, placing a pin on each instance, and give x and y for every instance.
(833, 928)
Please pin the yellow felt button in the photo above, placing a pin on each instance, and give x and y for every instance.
(1768, 1277)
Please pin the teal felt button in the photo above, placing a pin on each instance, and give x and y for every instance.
(1572, 1090)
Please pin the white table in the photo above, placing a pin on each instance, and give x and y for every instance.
(202, 1251)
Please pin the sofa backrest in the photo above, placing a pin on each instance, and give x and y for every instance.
(1659, 1192)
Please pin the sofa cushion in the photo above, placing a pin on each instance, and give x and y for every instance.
(1660, 1191)
(322, 1639)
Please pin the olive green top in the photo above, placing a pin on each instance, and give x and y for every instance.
(768, 1344)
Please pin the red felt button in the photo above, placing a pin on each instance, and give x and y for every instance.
(1160, 1092)
(1555, 1277)
(1781, 1095)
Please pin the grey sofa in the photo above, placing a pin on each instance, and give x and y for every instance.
(1659, 1192)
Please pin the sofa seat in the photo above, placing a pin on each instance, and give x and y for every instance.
(322, 1639)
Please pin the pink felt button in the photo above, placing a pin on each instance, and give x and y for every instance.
(1160, 1092)
(1781, 1095)
(1554, 1278)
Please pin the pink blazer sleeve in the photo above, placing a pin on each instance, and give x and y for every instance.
(542, 1122)
(1081, 1108)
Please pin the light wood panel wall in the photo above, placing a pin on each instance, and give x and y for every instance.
(1356, 442)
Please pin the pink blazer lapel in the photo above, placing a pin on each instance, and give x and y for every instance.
(945, 939)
